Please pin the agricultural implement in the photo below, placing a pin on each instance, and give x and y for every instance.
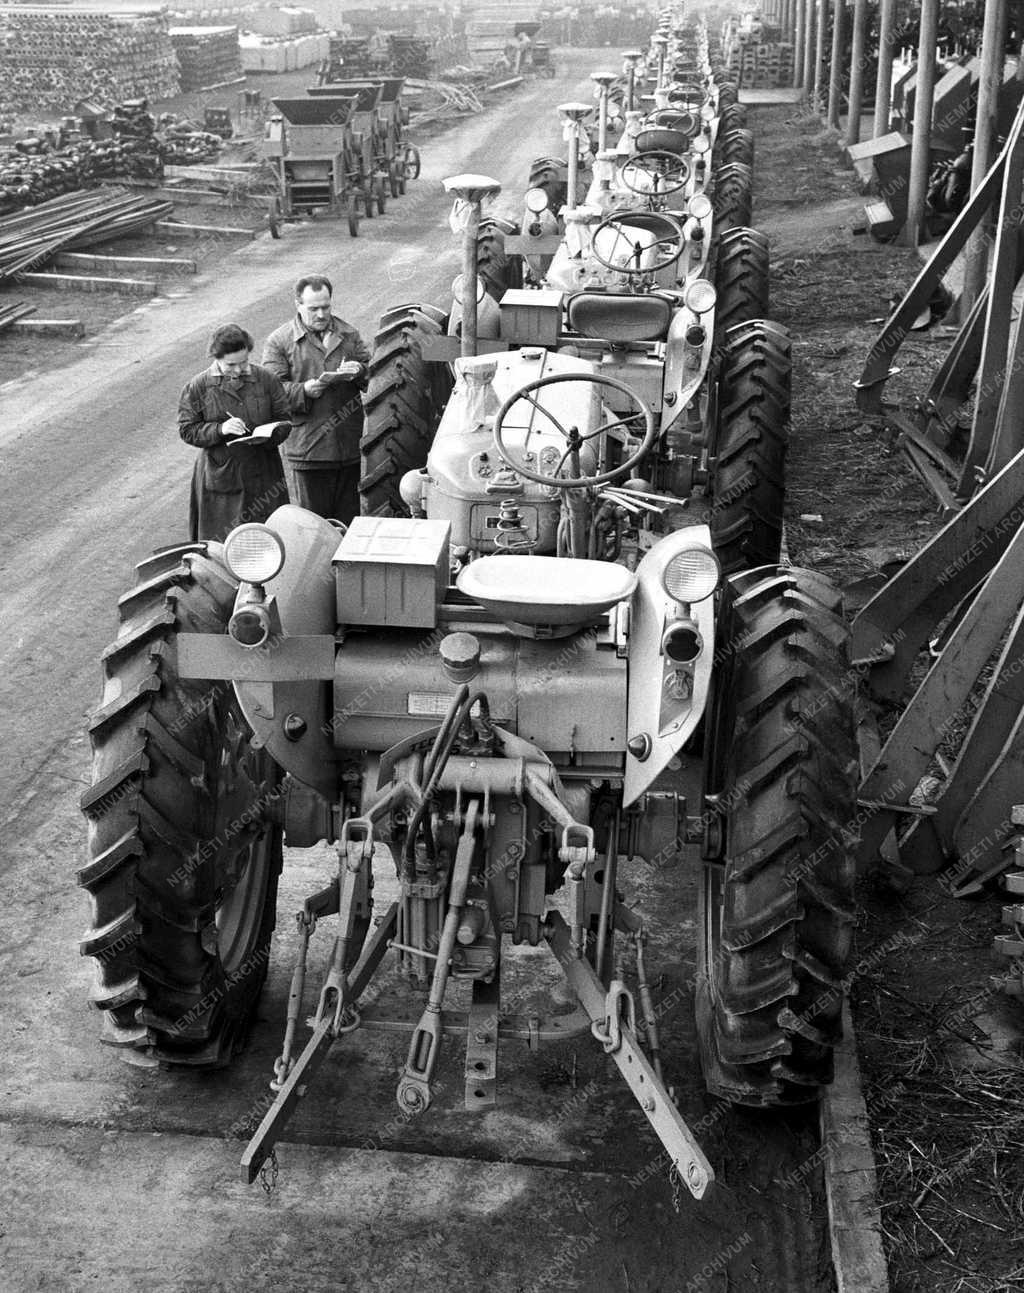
(384, 117)
(538, 657)
(318, 159)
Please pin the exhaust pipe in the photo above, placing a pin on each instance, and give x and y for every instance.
(603, 80)
(471, 189)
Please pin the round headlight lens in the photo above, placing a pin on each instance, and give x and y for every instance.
(254, 553)
(701, 144)
(692, 575)
(699, 206)
(700, 296)
(536, 201)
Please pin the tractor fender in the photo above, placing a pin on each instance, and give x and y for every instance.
(662, 708)
(307, 604)
(686, 365)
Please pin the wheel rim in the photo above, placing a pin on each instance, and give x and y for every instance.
(243, 872)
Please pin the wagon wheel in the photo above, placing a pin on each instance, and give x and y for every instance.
(369, 201)
(274, 218)
(353, 215)
(380, 193)
(395, 178)
(412, 162)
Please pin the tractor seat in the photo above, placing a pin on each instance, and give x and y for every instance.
(687, 123)
(620, 317)
(535, 590)
(659, 139)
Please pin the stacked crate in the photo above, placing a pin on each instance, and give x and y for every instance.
(207, 56)
(760, 63)
(51, 56)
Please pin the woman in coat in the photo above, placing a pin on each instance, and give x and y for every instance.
(233, 482)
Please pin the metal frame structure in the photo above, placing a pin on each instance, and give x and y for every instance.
(989, 346)
(968, 582)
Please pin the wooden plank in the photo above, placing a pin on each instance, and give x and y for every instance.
(851, 1185)
(124, 264)
(212, 231)
(90, 283)
(209, 197)
(50, 327)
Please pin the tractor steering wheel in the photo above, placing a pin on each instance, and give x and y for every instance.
(626, 225)
(573, 437)
(657, 166)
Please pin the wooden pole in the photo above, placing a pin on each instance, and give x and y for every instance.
(990, 78)
(809, 43)
(835, 80)
(860, 22)
(799, 41)
(883, 81)
(921, 142)
(819, 56)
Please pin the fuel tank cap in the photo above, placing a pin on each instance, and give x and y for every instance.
(460, 656)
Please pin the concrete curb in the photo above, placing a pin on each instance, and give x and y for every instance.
(851, 1186)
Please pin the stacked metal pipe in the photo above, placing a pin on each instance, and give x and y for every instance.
(52, 56)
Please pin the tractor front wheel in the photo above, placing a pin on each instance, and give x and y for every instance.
(777, 909)
(184, 856)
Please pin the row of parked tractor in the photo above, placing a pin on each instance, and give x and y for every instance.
(342, 149)
(561, 637)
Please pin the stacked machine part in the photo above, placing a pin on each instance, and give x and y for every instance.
(207, 56)
(756, 56)
(53, 56)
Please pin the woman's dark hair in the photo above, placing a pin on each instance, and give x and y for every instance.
(316, 281)
(228, 339)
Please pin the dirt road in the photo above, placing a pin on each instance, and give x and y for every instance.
(125, 1178)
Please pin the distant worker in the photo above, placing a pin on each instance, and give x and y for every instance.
(323, 363)
(236, 478)
(524, 48)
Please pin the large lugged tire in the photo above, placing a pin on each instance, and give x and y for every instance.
(732, 198)
(741, 278)
(498, 270)
(550, 174)
(748, 480)
(735, 145)
(403, 405)
(777, 911)
(732, 117)
(183, 860)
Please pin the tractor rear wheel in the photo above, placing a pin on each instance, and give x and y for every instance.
(183, 859)
(732, 117)
(732, 198)
(748, 481)
(741, 278)
(735, 145)
(498, 270)
(777, 909)
(403, 404)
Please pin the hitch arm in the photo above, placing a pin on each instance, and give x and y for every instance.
(621, 1044)
(293, 1088)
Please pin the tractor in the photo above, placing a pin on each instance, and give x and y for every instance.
(491, 705)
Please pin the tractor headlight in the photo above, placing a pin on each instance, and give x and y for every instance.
(536, 201)
(699, 206)
(254, 553)
(692, 575)
(700, 296)
(701, 144)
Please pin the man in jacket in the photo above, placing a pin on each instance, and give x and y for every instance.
(323, 364)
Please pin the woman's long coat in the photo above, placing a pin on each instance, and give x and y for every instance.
(232, 484)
